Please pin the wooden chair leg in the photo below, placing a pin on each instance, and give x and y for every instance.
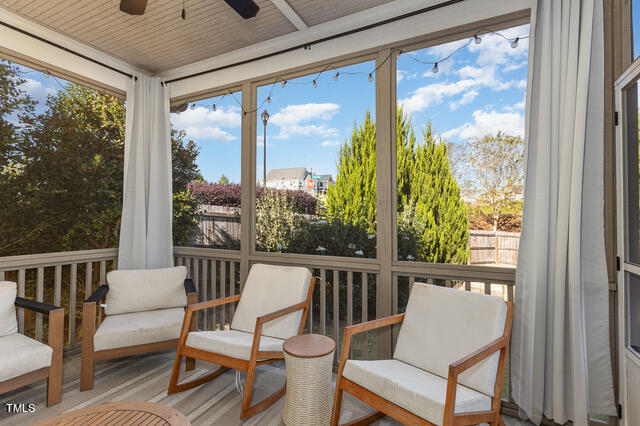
(55, 340)
(366, 419)
(190, 364)
(337, 404)
(175, 387)
(88, 330)
(249, 410)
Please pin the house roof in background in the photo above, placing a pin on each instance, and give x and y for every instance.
(282, 174)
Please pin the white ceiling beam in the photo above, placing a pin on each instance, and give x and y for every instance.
(290, 14)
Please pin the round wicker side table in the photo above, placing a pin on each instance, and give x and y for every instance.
(309, 360)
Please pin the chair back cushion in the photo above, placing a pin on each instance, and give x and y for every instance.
(268, 289)
(442, 325)
(8, 322)
(145, 290)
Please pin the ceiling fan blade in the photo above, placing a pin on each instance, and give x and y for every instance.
(245, 8)
(133, 7)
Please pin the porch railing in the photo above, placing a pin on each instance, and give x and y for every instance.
(346, 292)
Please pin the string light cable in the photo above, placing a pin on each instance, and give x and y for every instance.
(314, 81)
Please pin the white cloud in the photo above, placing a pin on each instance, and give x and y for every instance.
(37, 90)
(203, 123)
(403, 74)
(466, 99)
(295, 114)
(495, 50)
(489, 121)
(330, 143)
(293, 120)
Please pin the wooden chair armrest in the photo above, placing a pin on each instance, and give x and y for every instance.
(98, 295)
(40, 307)
(280, 313)
(211, 303)
(475, 357)
(372, 325)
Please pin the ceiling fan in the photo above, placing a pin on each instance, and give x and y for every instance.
(245, 8)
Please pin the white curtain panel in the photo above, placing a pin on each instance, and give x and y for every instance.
(145, 232)
(560, 361)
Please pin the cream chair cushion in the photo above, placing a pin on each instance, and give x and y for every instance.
(20, 354)
(233, 343)
(145, 290)
(413, 389)
(138, 328)
(8, 323)
(268, 289)
(442, 325)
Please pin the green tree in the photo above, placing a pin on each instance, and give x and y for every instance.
(494, 174)
(68, 191)
(352, 198)
(432, 217)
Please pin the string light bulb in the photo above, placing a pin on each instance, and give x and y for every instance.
(193, 106)
(315, 83)
(284, 83)
(370, 77)
(269, 99)
(477, 39)
(514, 43)
(435, 68)
(214, 108)
(335, 77)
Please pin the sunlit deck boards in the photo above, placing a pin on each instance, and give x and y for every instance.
(145, 378)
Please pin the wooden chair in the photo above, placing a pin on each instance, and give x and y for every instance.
(24, 360)
(272, 307)
(448, 366)
(144, 312)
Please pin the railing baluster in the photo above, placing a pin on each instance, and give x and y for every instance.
(467, 285)
(232, 287)
(394, 310)
(39, 298)
(214, 278)
(57, 286)
(103, 272)
(72, 303)
(350, 304)
(365, 308)
(510, 296)
(21, 280)
(223, 293)
(195, 274)
(412, 281)
(88, 278)
(203, 294)
(1, 275)
(487, 288)
(336, 307)
(323, 301)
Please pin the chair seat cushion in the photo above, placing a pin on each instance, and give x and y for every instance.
(413, 389)
(233, 343)
(20, 354)
(139, 328)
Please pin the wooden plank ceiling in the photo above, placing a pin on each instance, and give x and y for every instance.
(160, 40)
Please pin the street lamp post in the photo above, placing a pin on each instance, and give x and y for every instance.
(265, 119)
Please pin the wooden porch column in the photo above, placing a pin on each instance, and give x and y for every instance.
(248, 182)
(385, 191)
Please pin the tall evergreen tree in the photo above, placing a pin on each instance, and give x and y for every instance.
(432, 217)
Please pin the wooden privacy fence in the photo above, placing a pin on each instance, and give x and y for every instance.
(493, 247)
(217, 224)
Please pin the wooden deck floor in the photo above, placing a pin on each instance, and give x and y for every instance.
(145, 378)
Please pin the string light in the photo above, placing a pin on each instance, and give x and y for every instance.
(476, 39)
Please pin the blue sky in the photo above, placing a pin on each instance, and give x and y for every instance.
(479, 90)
